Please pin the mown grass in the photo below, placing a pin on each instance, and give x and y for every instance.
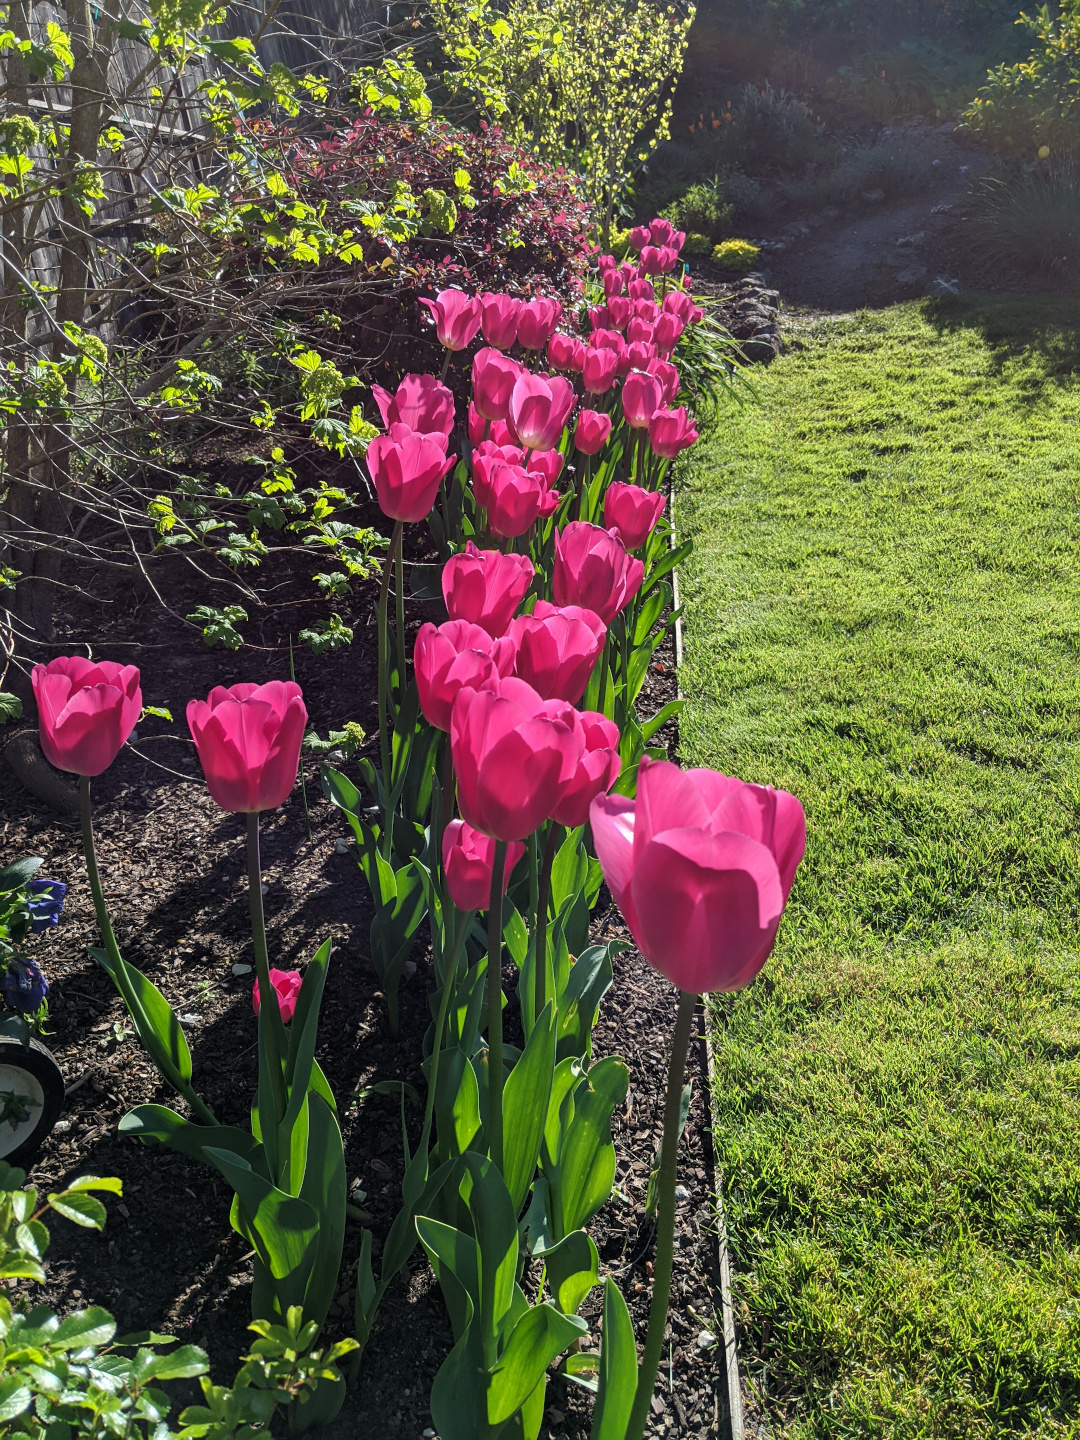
(883, 616)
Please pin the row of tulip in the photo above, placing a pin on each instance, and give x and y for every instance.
(514, 775)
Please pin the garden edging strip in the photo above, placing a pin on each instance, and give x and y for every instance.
(734, 1416)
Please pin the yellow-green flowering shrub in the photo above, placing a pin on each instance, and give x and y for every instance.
(735, 254)
(585, 83)
(1034, 106)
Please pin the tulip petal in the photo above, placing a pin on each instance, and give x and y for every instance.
(612, 819)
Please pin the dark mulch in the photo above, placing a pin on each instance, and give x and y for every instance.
(174, 872)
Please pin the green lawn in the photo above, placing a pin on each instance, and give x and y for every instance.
(883, 616)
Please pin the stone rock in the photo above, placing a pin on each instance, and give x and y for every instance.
(759, 349)
(912, 275)
(705, 1339)
(908, 241)
(873, 197)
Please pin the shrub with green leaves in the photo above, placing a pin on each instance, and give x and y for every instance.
(1036, 102)
(1029, 217)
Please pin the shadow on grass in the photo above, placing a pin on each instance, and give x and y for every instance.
(1046, 327)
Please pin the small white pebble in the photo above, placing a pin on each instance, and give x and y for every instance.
(705, 1339)
(190, 1019)
(264, 887)
(341, 846)
(410, 969)
(337, 756)
(62, 1127)
(241, 969)
(133, 737)
(429, 1433)
(681, 1192)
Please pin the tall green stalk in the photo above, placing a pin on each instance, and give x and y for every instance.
(665, 1223)
(494, 1009)
(271, 1029)
(542, 901)
(399, 607)
(384, 661)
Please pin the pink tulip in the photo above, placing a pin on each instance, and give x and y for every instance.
(493, 377)
(406, 468)
(697, 314)
(668, 376)
(632, 512)
(556, 649)
(450, 656)
(485, 587)
(421, 402)
(599, 370)
(597, 770)
(537, 320)
(658, 261)
(641, 395)
(661, 231)
(646, 309)
(486, 459)
(641, 290)
(606, 340)
(639, 238)
(630, 276)
(639, 356)
(468, 858)
(565, 353)
(457, 318)
(286, 985)
(599, 317)
(248, 740)
(86, 711)
(514, 754)
(539, 409)
(499, 319)
(593, 429)
(701, 867)
(670, 432)
(519, 498)
(593, 570)
(607, 262)
(666, 332)
(612, 281)
(548, 462)
(678, 302)
(619, 310)
(639, 331)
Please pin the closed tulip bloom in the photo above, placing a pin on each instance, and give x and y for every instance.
(486, 587)
(548, 463)
(646, 309)
(468, 858)
(597, 770)
(668, 376)
(593, 570)
(641, 289)
(514, 753)
(598, 371)
(619, 311)
(641, 396)
(447, 657)
(678, 302)
(286, 985)
(593, 429)
(661, 231)
(632, 512)
(457, 318)
(519, 498)
(499, 319)
(638, 356)
(540, 408)
(493, 377)
(565, 353)
(607, 262)
(248, 739)
(629, 273)
(86, 711)
(611, 280)
(606, 340)
(639, 331)
(701, 867)
(639, 238)
(537, 320)
(697, 314)
(658, 261)
(422, 402)
(556, 649)
(666, 332)
(599, 317)
(670, 432)
(406, 468)
(486, 459)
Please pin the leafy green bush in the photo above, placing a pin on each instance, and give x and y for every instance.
(1029, 217)
(918, 78)
(712, 208)
(897, 165)
(1035, 103)
(763, 131)
(736, 255)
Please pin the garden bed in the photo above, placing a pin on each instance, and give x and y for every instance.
(173, 869)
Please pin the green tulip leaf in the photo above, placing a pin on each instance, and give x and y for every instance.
(282, 1228)
(617, 1378)
(572, 1268)
(525, 1107)
(538, 1338)
(325, 1190)
(587, 1157)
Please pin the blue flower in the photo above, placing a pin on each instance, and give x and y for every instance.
(45, 903)
(24, 985)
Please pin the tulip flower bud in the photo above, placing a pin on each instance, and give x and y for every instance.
(666, 332)
(539, 409)
(421, 402)
(639, 238)
(556, 649)
(593, 429)
(661, 231)
(485, 587)
(597, 770)
(593, 570)
(248, 739)
(632, 513)
(565, 353)
(612, 282)
(468, 860)
(537, 320)
(668, 376)
(286, 985)
(406, 469)
(598, 371)
(457, 318)
(641, 396)
(493, 377)
(670, 432)
(620, 310)
(448, 657)
(639, 331)
(641, 290)
(639, 356)
(701, 867)
(86, 711)
(499, 319)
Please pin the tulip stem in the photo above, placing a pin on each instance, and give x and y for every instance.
(384, 660)
(494, 1002)
(203, 1111)
(665, 1222)
(399, 610)
(271, 1030)
(542, 901)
